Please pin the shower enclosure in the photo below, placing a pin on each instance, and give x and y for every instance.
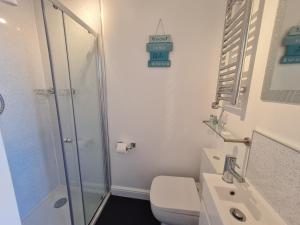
(54, 122)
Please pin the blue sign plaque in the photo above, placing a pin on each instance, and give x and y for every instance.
(159, 47)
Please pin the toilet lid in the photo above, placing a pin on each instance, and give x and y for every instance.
(175, 194)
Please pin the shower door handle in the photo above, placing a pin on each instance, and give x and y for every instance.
(2, 104)
(68, 140)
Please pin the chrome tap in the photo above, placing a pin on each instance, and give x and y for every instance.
(229, 170)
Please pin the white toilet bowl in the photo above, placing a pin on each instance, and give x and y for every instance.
(175, 200)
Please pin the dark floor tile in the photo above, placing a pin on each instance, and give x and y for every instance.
(127, 211)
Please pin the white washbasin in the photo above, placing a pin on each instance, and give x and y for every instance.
(219, 197)
(216, 158)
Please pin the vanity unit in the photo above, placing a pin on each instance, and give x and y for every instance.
(235, 204)
(212, 201)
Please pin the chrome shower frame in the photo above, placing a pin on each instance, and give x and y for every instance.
(103, 120)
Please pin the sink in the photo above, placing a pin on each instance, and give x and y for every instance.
(216, 159)
(236, 204)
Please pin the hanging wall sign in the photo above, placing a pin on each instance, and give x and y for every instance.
(292, 44)
(159, 47)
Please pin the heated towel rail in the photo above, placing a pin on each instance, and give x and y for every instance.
(236, 28)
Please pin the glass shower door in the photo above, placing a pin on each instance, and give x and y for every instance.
(82, 51)
(60, 73)
(75, 72)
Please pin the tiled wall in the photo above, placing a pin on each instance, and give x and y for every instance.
(274, 169)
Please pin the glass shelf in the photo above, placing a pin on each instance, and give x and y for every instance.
(226, 135)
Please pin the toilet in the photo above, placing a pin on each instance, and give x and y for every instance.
(175, 200)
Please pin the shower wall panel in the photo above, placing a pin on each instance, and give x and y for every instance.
(26, 121)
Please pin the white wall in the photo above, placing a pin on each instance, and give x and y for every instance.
(87, 10)
(9, 211)
(160, 109)
(279, 120)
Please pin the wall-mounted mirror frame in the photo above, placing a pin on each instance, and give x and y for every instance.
(269, 93)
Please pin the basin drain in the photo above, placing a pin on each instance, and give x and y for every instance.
(238, 214)
(60, 203)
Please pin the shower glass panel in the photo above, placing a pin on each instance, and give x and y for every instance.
(51, 124)
(75, 73)
(29, 123)
(82, 51)
(60, 71)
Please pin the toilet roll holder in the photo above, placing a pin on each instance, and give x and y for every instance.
(129, 146)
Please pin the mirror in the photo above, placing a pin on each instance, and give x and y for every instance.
(282, 79)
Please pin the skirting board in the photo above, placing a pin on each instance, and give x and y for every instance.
(130, 192)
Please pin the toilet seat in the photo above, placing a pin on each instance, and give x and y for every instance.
(177, 195)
